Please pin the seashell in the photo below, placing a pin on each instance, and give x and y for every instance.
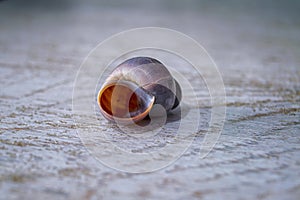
(134, 87)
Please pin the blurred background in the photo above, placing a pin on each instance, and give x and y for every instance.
(256, 46)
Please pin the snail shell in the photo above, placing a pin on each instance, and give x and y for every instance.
(134, 86)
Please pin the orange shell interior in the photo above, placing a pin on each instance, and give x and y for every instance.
(119, 102)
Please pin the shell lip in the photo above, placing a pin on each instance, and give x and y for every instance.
(125, 120)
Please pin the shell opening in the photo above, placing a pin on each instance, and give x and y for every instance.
(124, 101)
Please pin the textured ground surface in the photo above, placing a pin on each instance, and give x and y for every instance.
(257, 49)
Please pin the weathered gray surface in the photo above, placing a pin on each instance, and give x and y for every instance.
(257, 49)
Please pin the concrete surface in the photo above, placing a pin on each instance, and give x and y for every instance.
(256, 47)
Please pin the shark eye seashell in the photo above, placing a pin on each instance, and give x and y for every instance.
(134, 86)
